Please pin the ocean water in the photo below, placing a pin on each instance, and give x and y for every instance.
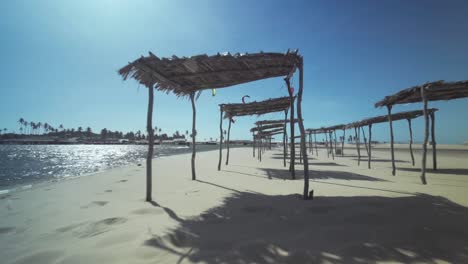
(22, 166)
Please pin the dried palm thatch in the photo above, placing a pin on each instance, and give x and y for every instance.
(434, 91)
(256, 108)
(183, 76)
(394, 117)
(272, 122)
(269, 131)
(267, 127)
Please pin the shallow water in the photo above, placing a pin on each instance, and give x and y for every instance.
(24, 165)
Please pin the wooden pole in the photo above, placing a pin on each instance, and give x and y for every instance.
(334, 132)
(311, 144)
(365, 140)
(149, 157)
(227, 144)
(300, 154)
(316, 147)
(220, 137)
(301, 128)
(356, 141)
(331, 144)
(326, 144)
(426, 136)
(434, 150)
(293, 151)
(260, 149)
(342, 142)
(389, 110)
(253, 143)
(194, 134)
(411, 140)
(369, 153)
(284, 137)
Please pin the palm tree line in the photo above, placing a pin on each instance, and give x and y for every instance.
(40, 128)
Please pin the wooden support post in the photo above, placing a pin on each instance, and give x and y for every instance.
(389, 110)
(301, 128)
(326, 144)
(284, 137)
(253, 143)
(356, 141)
(411, 140)
(426, 136)
(331, 144)
(342, 142)
(194, 134)
(365, 140)
(220, 137)
(149, 157)
(316, 147)
(434, 150)
(334, 132)
(260, 148)
(227, 143)
(369, 153)
(293, 151)
(300, 153)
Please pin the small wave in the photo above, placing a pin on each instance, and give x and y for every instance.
(2, 192)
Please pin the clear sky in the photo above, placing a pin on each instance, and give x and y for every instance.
(60, 59)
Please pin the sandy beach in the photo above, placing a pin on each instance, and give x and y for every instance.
(250, 212)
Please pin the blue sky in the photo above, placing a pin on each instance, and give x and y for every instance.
(60, 59)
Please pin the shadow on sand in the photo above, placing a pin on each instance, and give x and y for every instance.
(284, 174)
(439, 171)
(257, 228)
(382, 160)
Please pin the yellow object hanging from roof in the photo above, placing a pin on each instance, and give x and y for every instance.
(213, 92)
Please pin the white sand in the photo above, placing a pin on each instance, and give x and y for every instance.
(250, 212)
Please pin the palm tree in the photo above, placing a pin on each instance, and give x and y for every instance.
(61, 127)
(46, 127)
(39, 125)
(156, 129)
(25, 124)
(186, 133)
(21, 121)
(160, 130)
(80, 129)
(88, 132)
(33, 127)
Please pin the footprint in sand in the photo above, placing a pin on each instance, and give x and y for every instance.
(99, 227)
(122, 181)
(108, 191)
(145, 211)
(69, 227)
(43, 257)
(94, 203)
(6, 229)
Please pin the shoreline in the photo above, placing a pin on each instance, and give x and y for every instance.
(8, 190)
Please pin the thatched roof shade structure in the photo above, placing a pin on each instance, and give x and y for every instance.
(431, 91)
(434, 91)
(256, 108)
(253, 108)
(184, 76)
(394, 117)
(266, 127)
